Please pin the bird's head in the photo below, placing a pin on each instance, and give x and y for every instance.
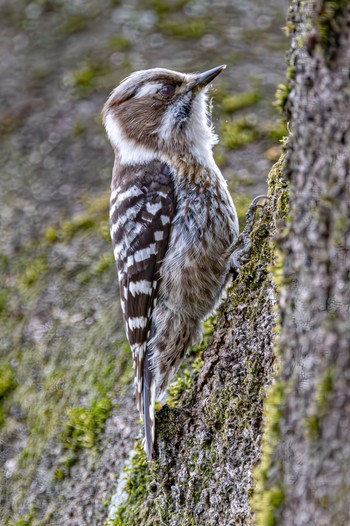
(158, 111)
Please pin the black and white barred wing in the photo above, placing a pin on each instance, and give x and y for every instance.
(142, 208)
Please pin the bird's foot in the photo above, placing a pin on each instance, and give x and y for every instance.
(240, 250)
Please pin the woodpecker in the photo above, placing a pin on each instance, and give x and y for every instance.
(172, 221)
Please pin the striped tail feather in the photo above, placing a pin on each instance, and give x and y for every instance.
(149, 399)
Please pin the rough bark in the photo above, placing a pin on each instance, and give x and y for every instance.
(310, 465)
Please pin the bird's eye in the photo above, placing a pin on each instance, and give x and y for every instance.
(167, 91)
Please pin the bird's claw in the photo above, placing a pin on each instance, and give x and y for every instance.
(240, 250)
(250, 216)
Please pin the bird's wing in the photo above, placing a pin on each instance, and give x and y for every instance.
(142, 209)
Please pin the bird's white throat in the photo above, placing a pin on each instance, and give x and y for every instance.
(130, 152)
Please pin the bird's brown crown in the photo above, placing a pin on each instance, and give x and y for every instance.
(159, 111)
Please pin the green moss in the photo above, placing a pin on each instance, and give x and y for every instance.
(84, 77)
(164, 8)
(313, 427)
(272, 500)
(50, 234)
(194, 28)
(220, 156)
(104, 263)
(137, 480)
(26, 520)
(330, 11)
(120, 43)
(7, 379)
(34, 270)
(59, 473)
(289, 28)
(4, 294)
(96, 205)
(268, 496)
(239, 132)
(278, 131)
(291, 72)
(75, 24)
(105, 230)
(281, 97)
(32, 518)
(254, 35)
(78, 223)
(280, 190)
(84, 425)
(301, 41)
(183, 382)
(184, 379)
(78, 129)
(231, 103)
(7, 385)
(126, 374)
(95, 217)
(223, 406)
(138, 473)
(88, 77)
(268, 499)
(324, 389)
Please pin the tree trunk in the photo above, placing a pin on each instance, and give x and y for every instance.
(309, 465)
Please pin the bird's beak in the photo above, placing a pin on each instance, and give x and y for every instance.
(204, 78)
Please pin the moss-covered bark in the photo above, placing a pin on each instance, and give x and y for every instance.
(309, 463)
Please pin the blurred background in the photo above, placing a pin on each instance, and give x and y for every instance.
(66, 403)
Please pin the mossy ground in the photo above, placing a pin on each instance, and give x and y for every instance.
(40, 306)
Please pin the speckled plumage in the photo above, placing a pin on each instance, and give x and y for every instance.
(172, 222)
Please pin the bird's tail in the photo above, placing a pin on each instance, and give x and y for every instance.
(149, 398)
